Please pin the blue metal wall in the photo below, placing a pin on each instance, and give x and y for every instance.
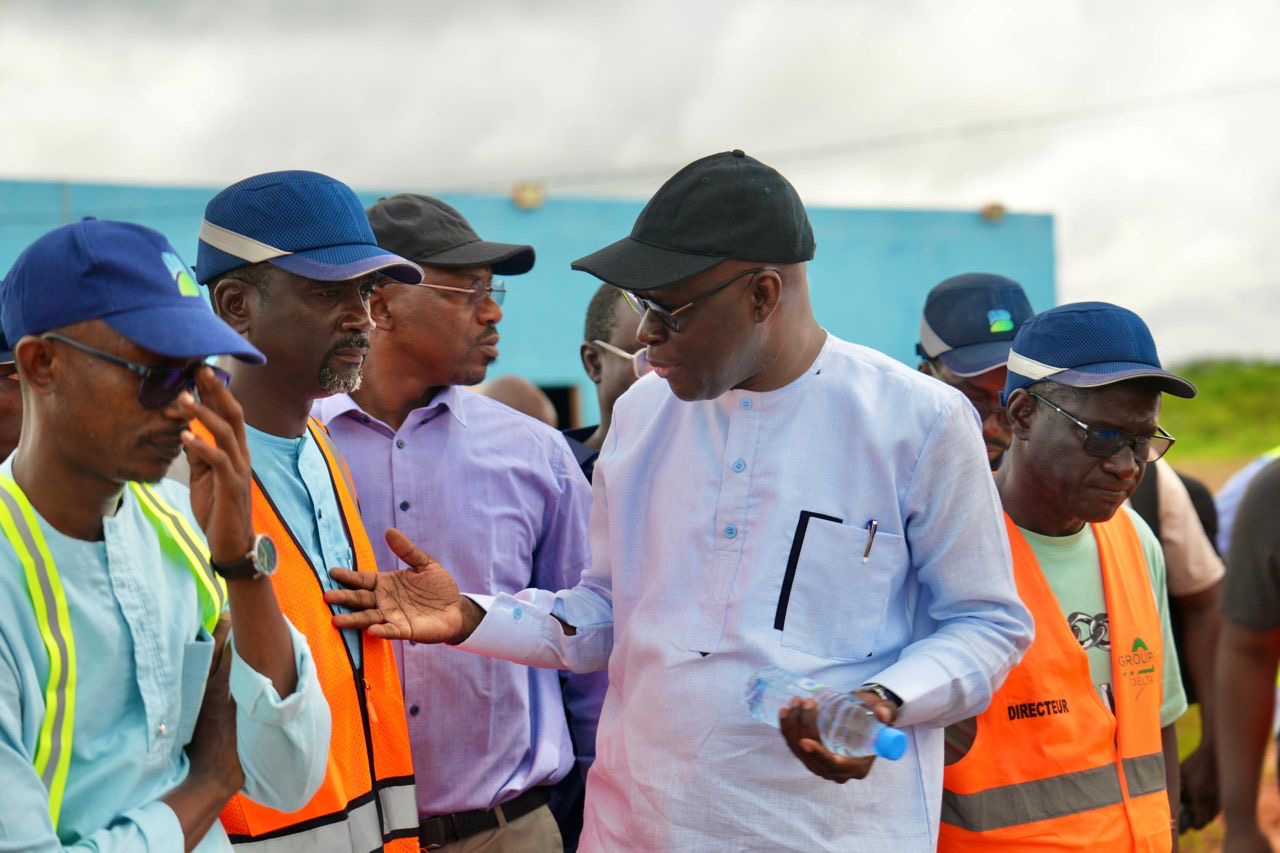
(869, 279)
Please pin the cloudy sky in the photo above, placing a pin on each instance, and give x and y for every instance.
(1149, 129)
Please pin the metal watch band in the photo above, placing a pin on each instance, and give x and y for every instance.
(885, 694)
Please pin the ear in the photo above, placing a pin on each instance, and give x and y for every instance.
(380, 310)
(927, 369)
(590, 361)
(1019, 410)
(766, 288)
(35, 362)
(236, 303)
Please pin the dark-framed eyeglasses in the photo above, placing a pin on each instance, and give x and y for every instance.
(639, 359)
(667, 316)
(159, 386)
(1104, 442)
(476, 290)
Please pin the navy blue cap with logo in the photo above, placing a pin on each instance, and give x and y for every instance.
(970, 320)
(1088, 345)
(123, 274)
(305, 223)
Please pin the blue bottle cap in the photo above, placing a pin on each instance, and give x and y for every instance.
(891, 743)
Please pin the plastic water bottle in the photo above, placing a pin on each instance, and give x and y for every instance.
(847, 725)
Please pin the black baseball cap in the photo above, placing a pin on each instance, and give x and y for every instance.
(426, 230)
(724, 206)
(970, 321)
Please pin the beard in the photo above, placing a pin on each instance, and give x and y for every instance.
(342, 378)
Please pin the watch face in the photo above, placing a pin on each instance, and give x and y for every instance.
(265, 555)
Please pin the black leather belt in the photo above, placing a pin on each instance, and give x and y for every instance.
(436, 832)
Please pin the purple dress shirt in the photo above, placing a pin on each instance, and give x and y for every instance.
(498, 498)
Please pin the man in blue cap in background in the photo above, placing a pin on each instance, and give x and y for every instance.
(1078, 745)
(968, 325)
(128, 715)
(290, 262)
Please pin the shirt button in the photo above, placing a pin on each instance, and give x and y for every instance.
(404, 506)
(739, 466)
(746, 404)
(730, 531)
(162, 730)
(400, 443)
(413, 710)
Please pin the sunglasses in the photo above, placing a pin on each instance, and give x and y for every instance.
(159, 386)
(667, 316)
(639, 359)
(1104, 442)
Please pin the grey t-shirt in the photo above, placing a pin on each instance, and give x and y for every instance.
(1251, 590)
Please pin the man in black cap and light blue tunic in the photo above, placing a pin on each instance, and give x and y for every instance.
(769, 495)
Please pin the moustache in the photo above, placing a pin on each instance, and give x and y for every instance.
(349, 342)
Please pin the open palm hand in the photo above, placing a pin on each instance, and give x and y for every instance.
(419, 603)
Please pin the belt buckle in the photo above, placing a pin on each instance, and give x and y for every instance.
(432, 834)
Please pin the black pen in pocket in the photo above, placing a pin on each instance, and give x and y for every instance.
(872, 527)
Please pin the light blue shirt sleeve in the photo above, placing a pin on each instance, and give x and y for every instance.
(970, 626)
(283, 744)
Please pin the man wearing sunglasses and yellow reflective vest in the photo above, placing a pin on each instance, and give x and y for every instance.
(1077, 750)
(128, 716)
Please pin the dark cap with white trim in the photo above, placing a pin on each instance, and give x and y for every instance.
(1088, 345)
(969, 322)
(303, 222)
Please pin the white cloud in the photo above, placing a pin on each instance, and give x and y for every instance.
(1170, 211)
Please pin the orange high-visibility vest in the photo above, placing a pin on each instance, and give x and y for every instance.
(367, 799)
(1050, 767)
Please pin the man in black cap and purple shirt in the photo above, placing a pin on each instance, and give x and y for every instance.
(494, 493)
(968, 324)
(769, 495)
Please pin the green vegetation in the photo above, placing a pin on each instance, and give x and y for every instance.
(1236, 416)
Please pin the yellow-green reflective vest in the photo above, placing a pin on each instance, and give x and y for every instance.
(44, 586)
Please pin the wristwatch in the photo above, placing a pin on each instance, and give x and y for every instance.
(885, 694)
(260, 562)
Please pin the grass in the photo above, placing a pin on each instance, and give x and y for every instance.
(1235, 417)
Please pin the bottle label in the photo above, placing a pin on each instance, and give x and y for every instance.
(809, 685)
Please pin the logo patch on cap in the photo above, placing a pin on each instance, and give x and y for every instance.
(182, 274)
(1000, 320)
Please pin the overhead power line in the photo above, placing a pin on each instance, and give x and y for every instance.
(902, 139)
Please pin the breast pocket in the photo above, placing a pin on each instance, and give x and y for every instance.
(196, 658)
(832, 604)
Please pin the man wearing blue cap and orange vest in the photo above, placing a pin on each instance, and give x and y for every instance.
(290, 262)
(968, 326)
(128, 715)
(1077, 750)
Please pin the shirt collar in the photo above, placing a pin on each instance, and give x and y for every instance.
(451, 397)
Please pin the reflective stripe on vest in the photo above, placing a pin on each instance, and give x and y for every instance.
(367, 799)
(193, 549)
(49, 605)
(1049, 765)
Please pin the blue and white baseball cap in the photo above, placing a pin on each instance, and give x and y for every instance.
(1088, 345)
(302, 222)
(124, 274)
(969, 322)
